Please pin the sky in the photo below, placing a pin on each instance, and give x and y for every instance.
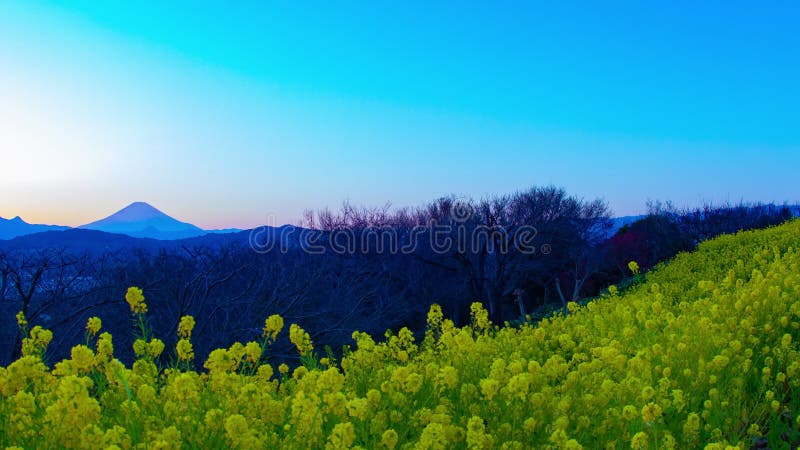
(236, 114)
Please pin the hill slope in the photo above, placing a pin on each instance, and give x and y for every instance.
(705, 351)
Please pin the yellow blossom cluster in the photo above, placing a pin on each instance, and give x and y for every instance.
(702, 354)
(135, 299)
(93, 325)
(185, 327)
(184, 348)
(272, 326)
(301, 339)
(37, 340)
(21, 320)
(633, 266)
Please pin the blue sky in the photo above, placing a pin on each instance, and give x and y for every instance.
(222, 115)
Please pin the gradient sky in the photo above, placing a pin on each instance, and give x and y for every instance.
(222, 115)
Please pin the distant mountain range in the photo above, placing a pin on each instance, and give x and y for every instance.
(138, 220)
(11, 228)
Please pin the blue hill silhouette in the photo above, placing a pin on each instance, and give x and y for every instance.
(11, 228)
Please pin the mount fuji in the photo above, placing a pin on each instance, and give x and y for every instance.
(142, 220)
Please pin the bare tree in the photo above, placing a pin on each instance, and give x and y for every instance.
(493, 245)
(5, 271)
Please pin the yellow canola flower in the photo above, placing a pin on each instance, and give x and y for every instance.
(479, 316)
(135, 299)
(389, 439)
(22, 322)
(640, 441)
(37, 341)
(342, 436)
(139, 347)
(83, 357)
(301, 339)
(272, 326)
(155, 347)
(651, 412)
(185, 327)
(41, 336)
(476, 434)
(184, 350)
(105, 345)
(252, 352)
(435, 316)
(93, 325)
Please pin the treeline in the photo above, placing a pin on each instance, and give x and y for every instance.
(367, 269)
(666, 230)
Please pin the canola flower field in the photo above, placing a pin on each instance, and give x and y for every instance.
(702, 354)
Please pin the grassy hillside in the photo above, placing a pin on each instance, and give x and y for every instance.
(705, 351)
